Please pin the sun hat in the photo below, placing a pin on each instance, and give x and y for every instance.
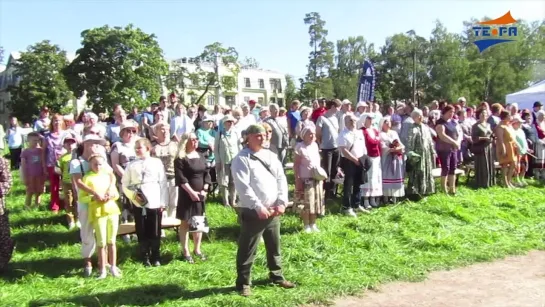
(228, 118)
(128, 124)
(94, 139)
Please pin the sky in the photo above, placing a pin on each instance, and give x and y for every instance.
(271, 31)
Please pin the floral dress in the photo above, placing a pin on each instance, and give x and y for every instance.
(420, 160)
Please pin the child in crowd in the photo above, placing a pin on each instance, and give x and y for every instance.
(63, 169)
(32, 170)
(103, 212)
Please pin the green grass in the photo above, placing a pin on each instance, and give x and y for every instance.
(402, 242)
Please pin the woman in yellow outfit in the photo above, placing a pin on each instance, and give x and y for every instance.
(103, 212)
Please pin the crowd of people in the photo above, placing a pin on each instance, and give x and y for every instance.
(164, 161)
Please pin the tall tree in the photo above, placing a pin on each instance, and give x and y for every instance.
(249, 62)
(217, 56)
(41, 82)
(448, 67)
(321, 57)
(291, 91)
(351, 53)
(117, 65)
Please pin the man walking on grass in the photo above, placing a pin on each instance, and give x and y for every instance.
(262, 187)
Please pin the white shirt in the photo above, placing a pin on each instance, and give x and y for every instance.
(245, 122)
(180, 125)
(353, 138)
(149, 176)
(255, 185)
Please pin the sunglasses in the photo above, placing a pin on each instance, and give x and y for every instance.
(94, 132)
(269, 131)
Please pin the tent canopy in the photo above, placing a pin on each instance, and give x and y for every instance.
(526, 98)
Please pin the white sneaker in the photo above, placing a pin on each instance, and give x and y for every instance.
(362, 209)
(308, 229)
(87, 271)
(71, 225)
(350, 212)
(314, 228)
(78, 224)
(102, 275)
(116, 272)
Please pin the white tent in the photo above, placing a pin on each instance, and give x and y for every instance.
(526, 98)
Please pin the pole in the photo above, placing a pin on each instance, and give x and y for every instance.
(414, 75)
(315, 71)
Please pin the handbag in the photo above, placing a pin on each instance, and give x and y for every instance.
(318, 173)
(199, 223)
(140, 200)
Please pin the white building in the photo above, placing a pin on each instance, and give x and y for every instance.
(261, 85)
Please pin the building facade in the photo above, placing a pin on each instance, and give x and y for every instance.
(263, 86)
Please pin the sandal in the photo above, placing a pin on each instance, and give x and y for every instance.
(200, 256)
(188, 259)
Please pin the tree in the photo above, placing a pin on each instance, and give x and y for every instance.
(249, 62)
(291, 91)
(117, 65)
(320, 58)
(448, 68)
(217, 56)
(41, 82)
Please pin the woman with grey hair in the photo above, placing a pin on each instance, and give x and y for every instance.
(420, 157)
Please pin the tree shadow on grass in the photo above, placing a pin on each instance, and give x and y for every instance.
(50, 267)
(44, 239)
(39, 221)
(137, 296)
(231, 232)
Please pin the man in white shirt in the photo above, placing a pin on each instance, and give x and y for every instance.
(346, 107)
(262, 187)
(246, 120)
(352, 146)
(181, 123)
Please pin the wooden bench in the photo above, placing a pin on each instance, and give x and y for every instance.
(470, 170)
(129, 228)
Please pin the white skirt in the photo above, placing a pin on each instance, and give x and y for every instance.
(373, 187)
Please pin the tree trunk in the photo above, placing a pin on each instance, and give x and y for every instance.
(203, 93)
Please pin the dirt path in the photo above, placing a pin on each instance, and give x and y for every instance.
(512, 282)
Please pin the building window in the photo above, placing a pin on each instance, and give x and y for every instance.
(247, 82)
(211, 100)
(230, 100)
(280, 102)
(261, 83)
(260, 100)
(246, 98)
(272, 100)
(276, 84)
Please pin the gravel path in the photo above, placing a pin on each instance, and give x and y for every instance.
(513, 282)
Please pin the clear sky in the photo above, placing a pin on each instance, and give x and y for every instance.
(272, 31)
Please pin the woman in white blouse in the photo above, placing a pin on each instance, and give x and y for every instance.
(393, 166)
(309, 190)
(145, 185)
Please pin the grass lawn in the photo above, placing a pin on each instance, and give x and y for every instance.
(402, 242)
